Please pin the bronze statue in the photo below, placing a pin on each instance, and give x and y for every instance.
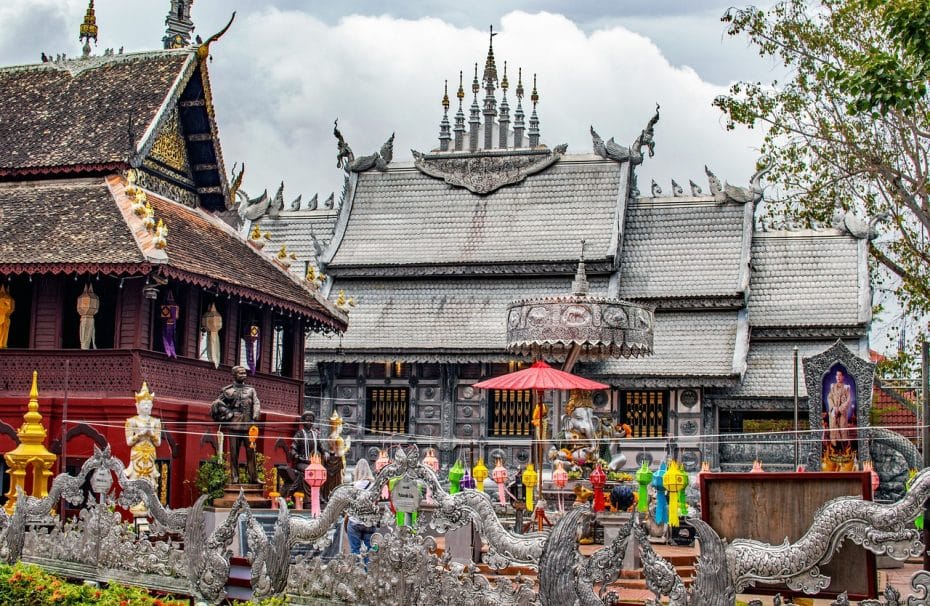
(236, 409)
(306, 443)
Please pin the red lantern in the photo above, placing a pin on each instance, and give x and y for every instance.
(315, 477)
(499, 475)
(598, 479)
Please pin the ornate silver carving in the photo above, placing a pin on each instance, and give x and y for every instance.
(487, 171)
(602, 327)
(347, 161)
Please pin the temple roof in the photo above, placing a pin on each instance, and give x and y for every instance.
(297, 229)
(769, 370)
(403, 218)
(86, 225)
(104, 113)
(444, 319)
(684, 247)
(77, 113)
(809, 278)
(691, 348)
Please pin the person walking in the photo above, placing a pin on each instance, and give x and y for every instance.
(357, 531)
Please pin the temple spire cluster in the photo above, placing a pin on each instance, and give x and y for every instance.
(88, 28)
(489, 126)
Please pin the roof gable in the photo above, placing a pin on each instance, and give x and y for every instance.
(80, 116)
(403, 218)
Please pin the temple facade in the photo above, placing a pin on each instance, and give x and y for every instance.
(120, 262)
(434, 250)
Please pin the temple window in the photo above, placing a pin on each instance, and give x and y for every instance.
(510, 413)
(388, 409)
(282, 347)
(429, 371)
(103, 316)
(20, 289)
(250, 337)
(645, 411)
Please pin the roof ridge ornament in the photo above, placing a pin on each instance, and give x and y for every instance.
(580, 283)
(347, 161)
(203, 51)
(88, 29)
(645, 139)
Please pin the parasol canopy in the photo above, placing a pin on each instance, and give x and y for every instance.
(540, 376)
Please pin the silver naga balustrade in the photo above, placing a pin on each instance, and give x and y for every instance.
(403, 567)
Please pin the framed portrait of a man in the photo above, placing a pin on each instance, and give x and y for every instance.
(840, 419)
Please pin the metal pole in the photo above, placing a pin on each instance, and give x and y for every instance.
(925, 435)
(797, 436)
(63, 468)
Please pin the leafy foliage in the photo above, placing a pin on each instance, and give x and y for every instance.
(29, 585)
(849, 128)
(212, 477)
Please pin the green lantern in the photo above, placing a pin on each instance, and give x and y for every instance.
(643, 478)
(455, 476)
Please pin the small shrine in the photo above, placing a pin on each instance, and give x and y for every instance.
(31, 453)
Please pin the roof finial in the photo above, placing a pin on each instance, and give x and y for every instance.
(505, 84)
(518, 124)
(460, 116)
(519, 83)
(444, 135)
(88, 28)
(580, 283)
(445, 97)
(475, 87)
(534, 96)
(490, 67)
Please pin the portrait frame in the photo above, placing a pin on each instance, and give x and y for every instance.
(817, 380)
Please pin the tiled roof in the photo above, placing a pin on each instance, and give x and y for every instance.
(294, 228)
(696, 344)
(808, 279)
(425, 319)
(682, 247)
(70, 222)
(87, 222)
(403, 217)
(78, 112)
(769, 371)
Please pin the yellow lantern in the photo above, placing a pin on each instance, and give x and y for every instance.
(480, 473)
(529, 481)
(674, 482)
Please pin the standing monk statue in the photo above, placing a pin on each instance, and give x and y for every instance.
(236, 409)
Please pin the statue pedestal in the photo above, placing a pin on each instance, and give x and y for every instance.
(254, 496)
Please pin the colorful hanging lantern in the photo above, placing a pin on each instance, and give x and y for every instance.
(169, 318)
(212, 324)
(658, 482)
(380, 463)
(315, 477)
(674, 483)
(430, 460)
(876, 481)
(530, 477)
(253, 347)
(455, 477)
(467, 482)
(7, 307)
(683, 501)
(643, 478)
(480, 473)
(598, 479)
(560, 480)
(499, 475)
(88, 304)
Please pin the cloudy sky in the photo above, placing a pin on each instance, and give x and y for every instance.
(288, 68)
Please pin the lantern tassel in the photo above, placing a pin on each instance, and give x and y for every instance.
(315, 501)
(673, 509)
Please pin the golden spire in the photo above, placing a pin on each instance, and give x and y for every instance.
(490, 67)
(475, 87)
(504, 83)
(30, 452)
(461, 92)
(534, 96)
(89, 27)
(445, 97)
(519, 83)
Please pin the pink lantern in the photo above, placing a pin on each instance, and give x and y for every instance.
(876, 481)
(380, 463)
(559, 480)
(598, 479)
(499, 475)
(315, 477)
(432, 462)
(757, 467)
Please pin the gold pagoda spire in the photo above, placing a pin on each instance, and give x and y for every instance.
(88, 28)
(30, 451)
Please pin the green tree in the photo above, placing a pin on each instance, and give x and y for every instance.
(848, 127)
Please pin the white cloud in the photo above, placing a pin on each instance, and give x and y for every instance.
(281, 77)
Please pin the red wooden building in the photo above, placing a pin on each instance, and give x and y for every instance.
(69, 132)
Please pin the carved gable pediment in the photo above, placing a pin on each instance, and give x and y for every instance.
(169, 148)
(485, 172)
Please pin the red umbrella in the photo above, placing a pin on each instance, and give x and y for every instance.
(540, 376)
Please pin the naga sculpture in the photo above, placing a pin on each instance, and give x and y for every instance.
(347, 161)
